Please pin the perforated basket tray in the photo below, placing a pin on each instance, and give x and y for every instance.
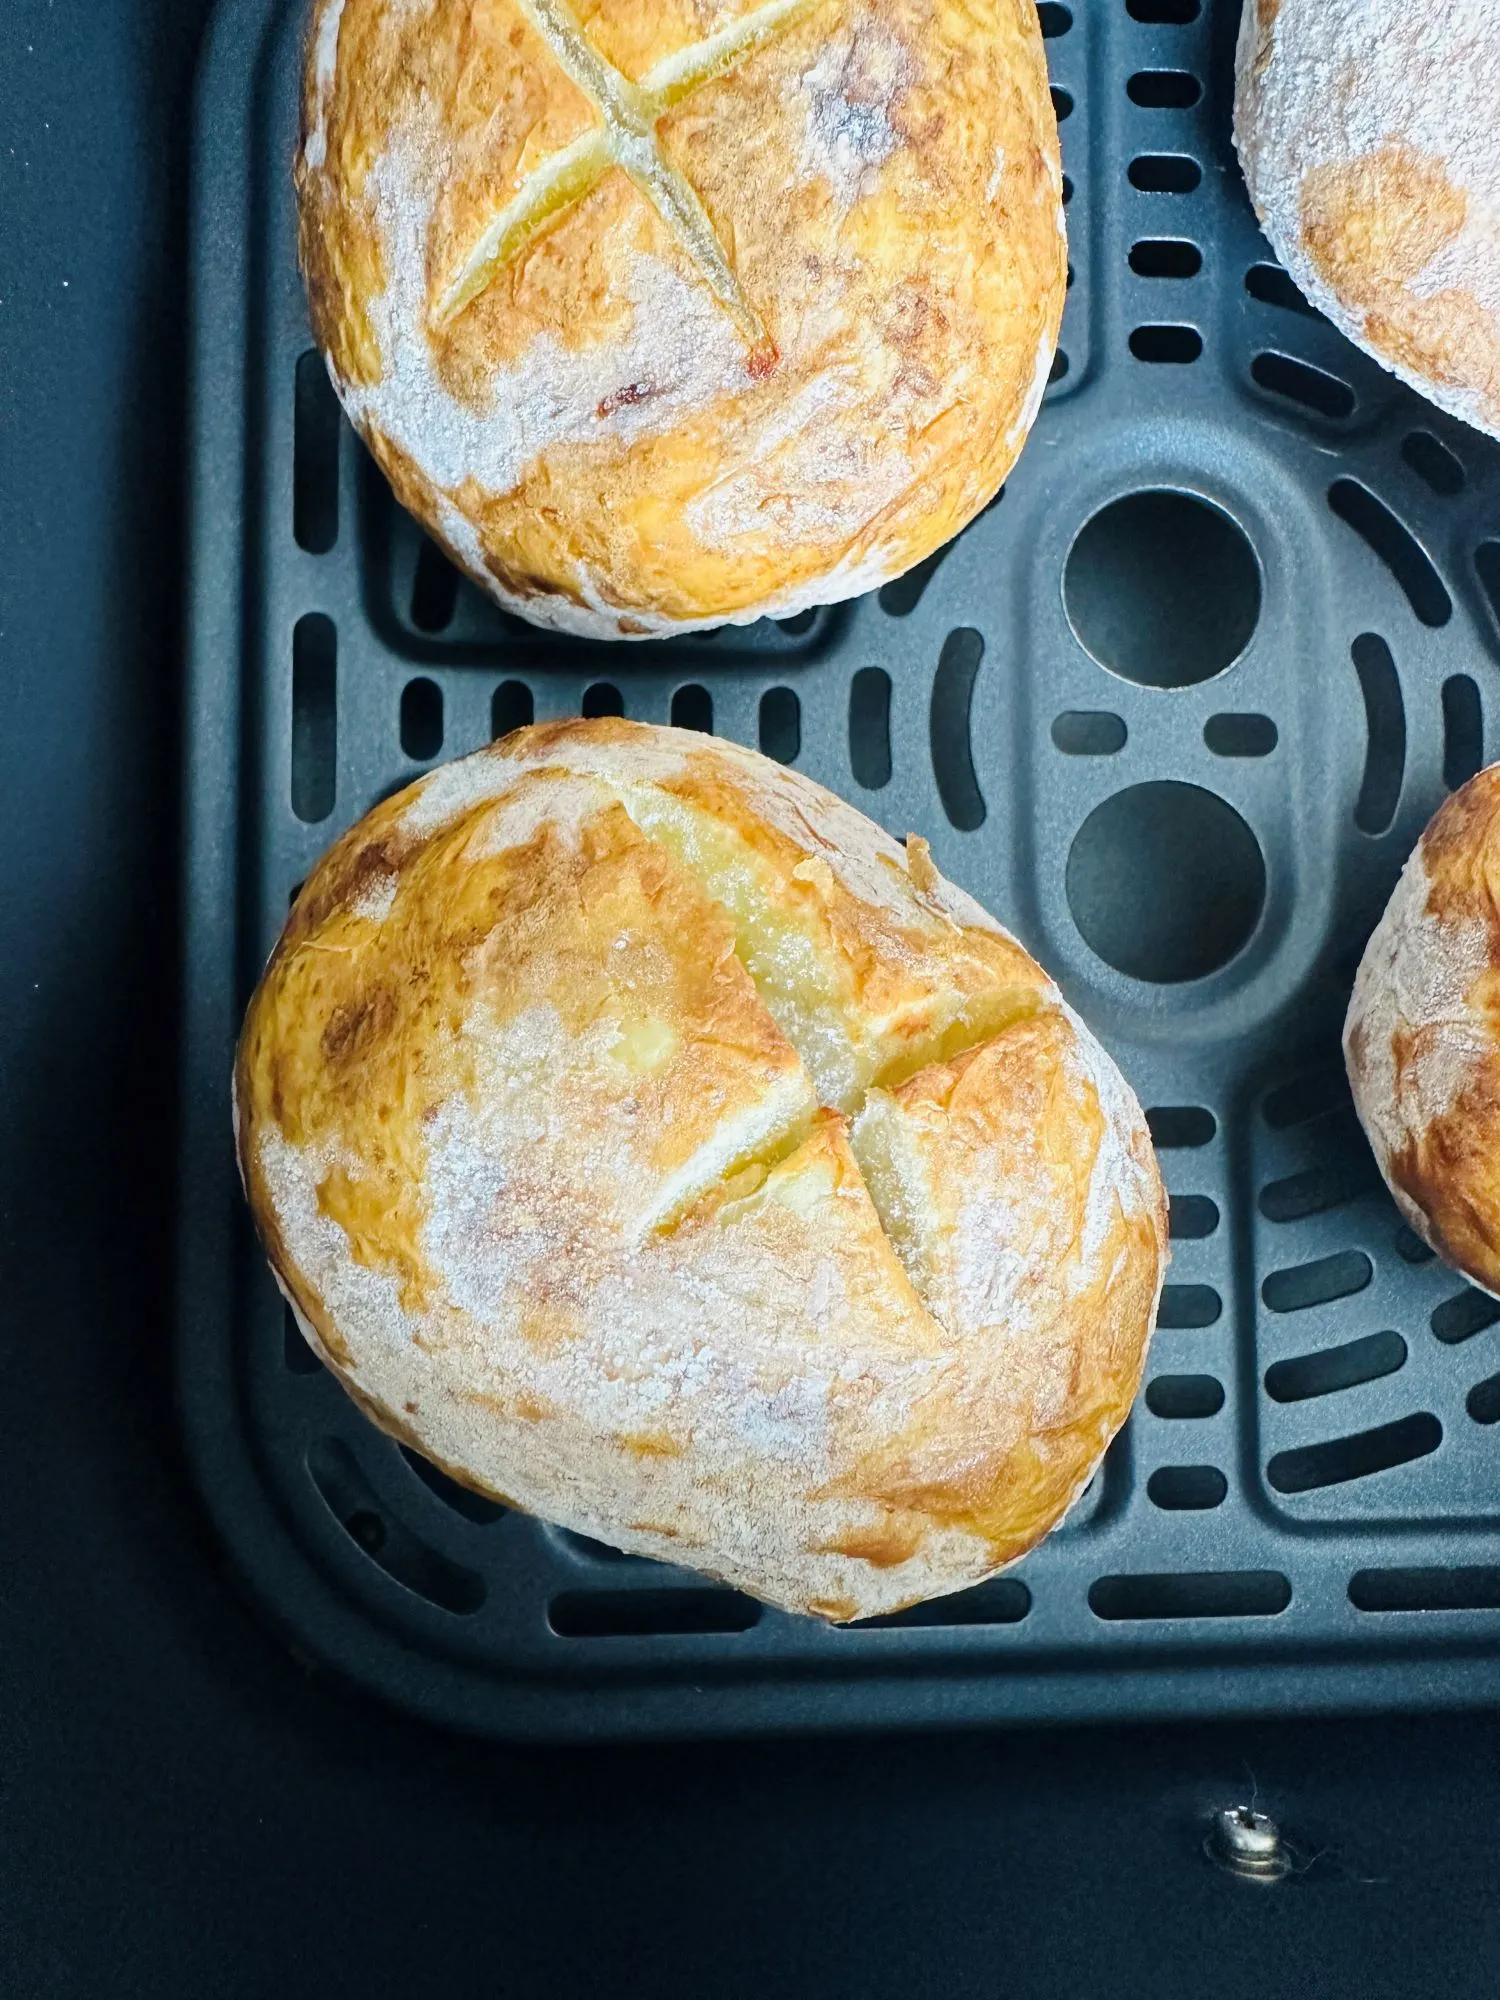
(1304, 1510)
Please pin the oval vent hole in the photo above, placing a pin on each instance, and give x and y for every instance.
(1174, 1126)
(1312, 1466)
(649, 1614)
(296, 1353)
(1055, 19)
(434, 589)
(1185, 1396)
(315, 457)
(1193, 1216)
(693, 708)
(1468, 1312)
(1164, 89)
(1174, 345)
(603, 698)
(511, 707)
(1182, 1489)
(1333, 1368)
(352, 1501)
(1385, 734)
(780, 725)
(1164, 173)
(1319, 1189)
(1299, 382)
(1062, 103)
(870, 728)
(800, 623)
(1483, 1401)
(1463, 731)
(1004, 1601)
(1318, 1283)
(421, 719)
(1470, 1588)
(1059, 367)
(1312, 1095)
(1433, 463)
(1396, 546)
(1187, 1306)
(475, 1507)
(1271, 285)
(1165, 257)
(948, 729)
(314, 716)
(1082, 732)
(1240, 735)
(1235, 1593)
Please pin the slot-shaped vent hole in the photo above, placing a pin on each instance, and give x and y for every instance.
(1185, 1396)
(511, 707)
(1174, 1126)
(1083, 732)
(1188, 1306)
(1463, 730)
(1299, 382)
(1433, 463)
(475, 1507)
(901, 596)
(1483, 1401)
(1410, 1248)
(1005, 1600)
(1272, 287)
(1487, 569)
(1062, 103)
(1385, 734)
(1470, 1588)
(296, 1353)
(1333, 1463)
(781, 725)
(1318, 1283)
(1164, 173)
(592, 1551)
(1055, 19)
(603, 698)
(1165, 257)
(1193, 1216)
(1317, 1189)
(1240, 735)
(1312, 1095)
(870, 728)
(314, 716)
(649, 1614)
(1459, 1318)
(1174, 345)
(352, 1501)
(800, 623)
(693, 708)
(1334, 1368)
(1183, 1489)
(1235, 1593)
(1396, 546)
(948, 729)
(1164, 89)
(421, 719)
(1163, 13)
(434, 590)
(315, 457)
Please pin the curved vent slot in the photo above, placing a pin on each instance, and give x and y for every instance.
(1165, 257)
(1083, 732)
(1174, 1126)
(511, 707)
(315, 457)
(1333, 1368)
(1240, 735)
(1483, 1401)
(1185, 1397)
(870, 728)
(1433, 463)
(1164, 173)
(1318, 1283)
(1467, 1589)
(781, 725)
(1299, 382)
(1385, 734)
(603, 698)
(1465, 1314)
(1463, 731)
(1005, 1601)
(1235, 1593)
(1396, 546)
(649, 1614)
(1487, 569)
(352, 1501)
(693, 708)
(1179, 1489)
(1193, 1216)
(434, 589)
(475, 1507)
(1312, 1095)
(1315, 1465)
(948, 728)
(1271, 285)
(1320, 1188)
(1186, 1306)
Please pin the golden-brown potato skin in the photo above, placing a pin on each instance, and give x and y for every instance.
(651, 1141)
(592, 438)
(1422, 1038)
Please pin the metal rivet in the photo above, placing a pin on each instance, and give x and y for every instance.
(1247, 1843)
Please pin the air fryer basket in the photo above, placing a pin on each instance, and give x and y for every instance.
(1175, 707)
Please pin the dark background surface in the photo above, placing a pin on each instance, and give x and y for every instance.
(182, 1810)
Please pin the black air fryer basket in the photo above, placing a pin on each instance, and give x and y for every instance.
(1175, 707)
